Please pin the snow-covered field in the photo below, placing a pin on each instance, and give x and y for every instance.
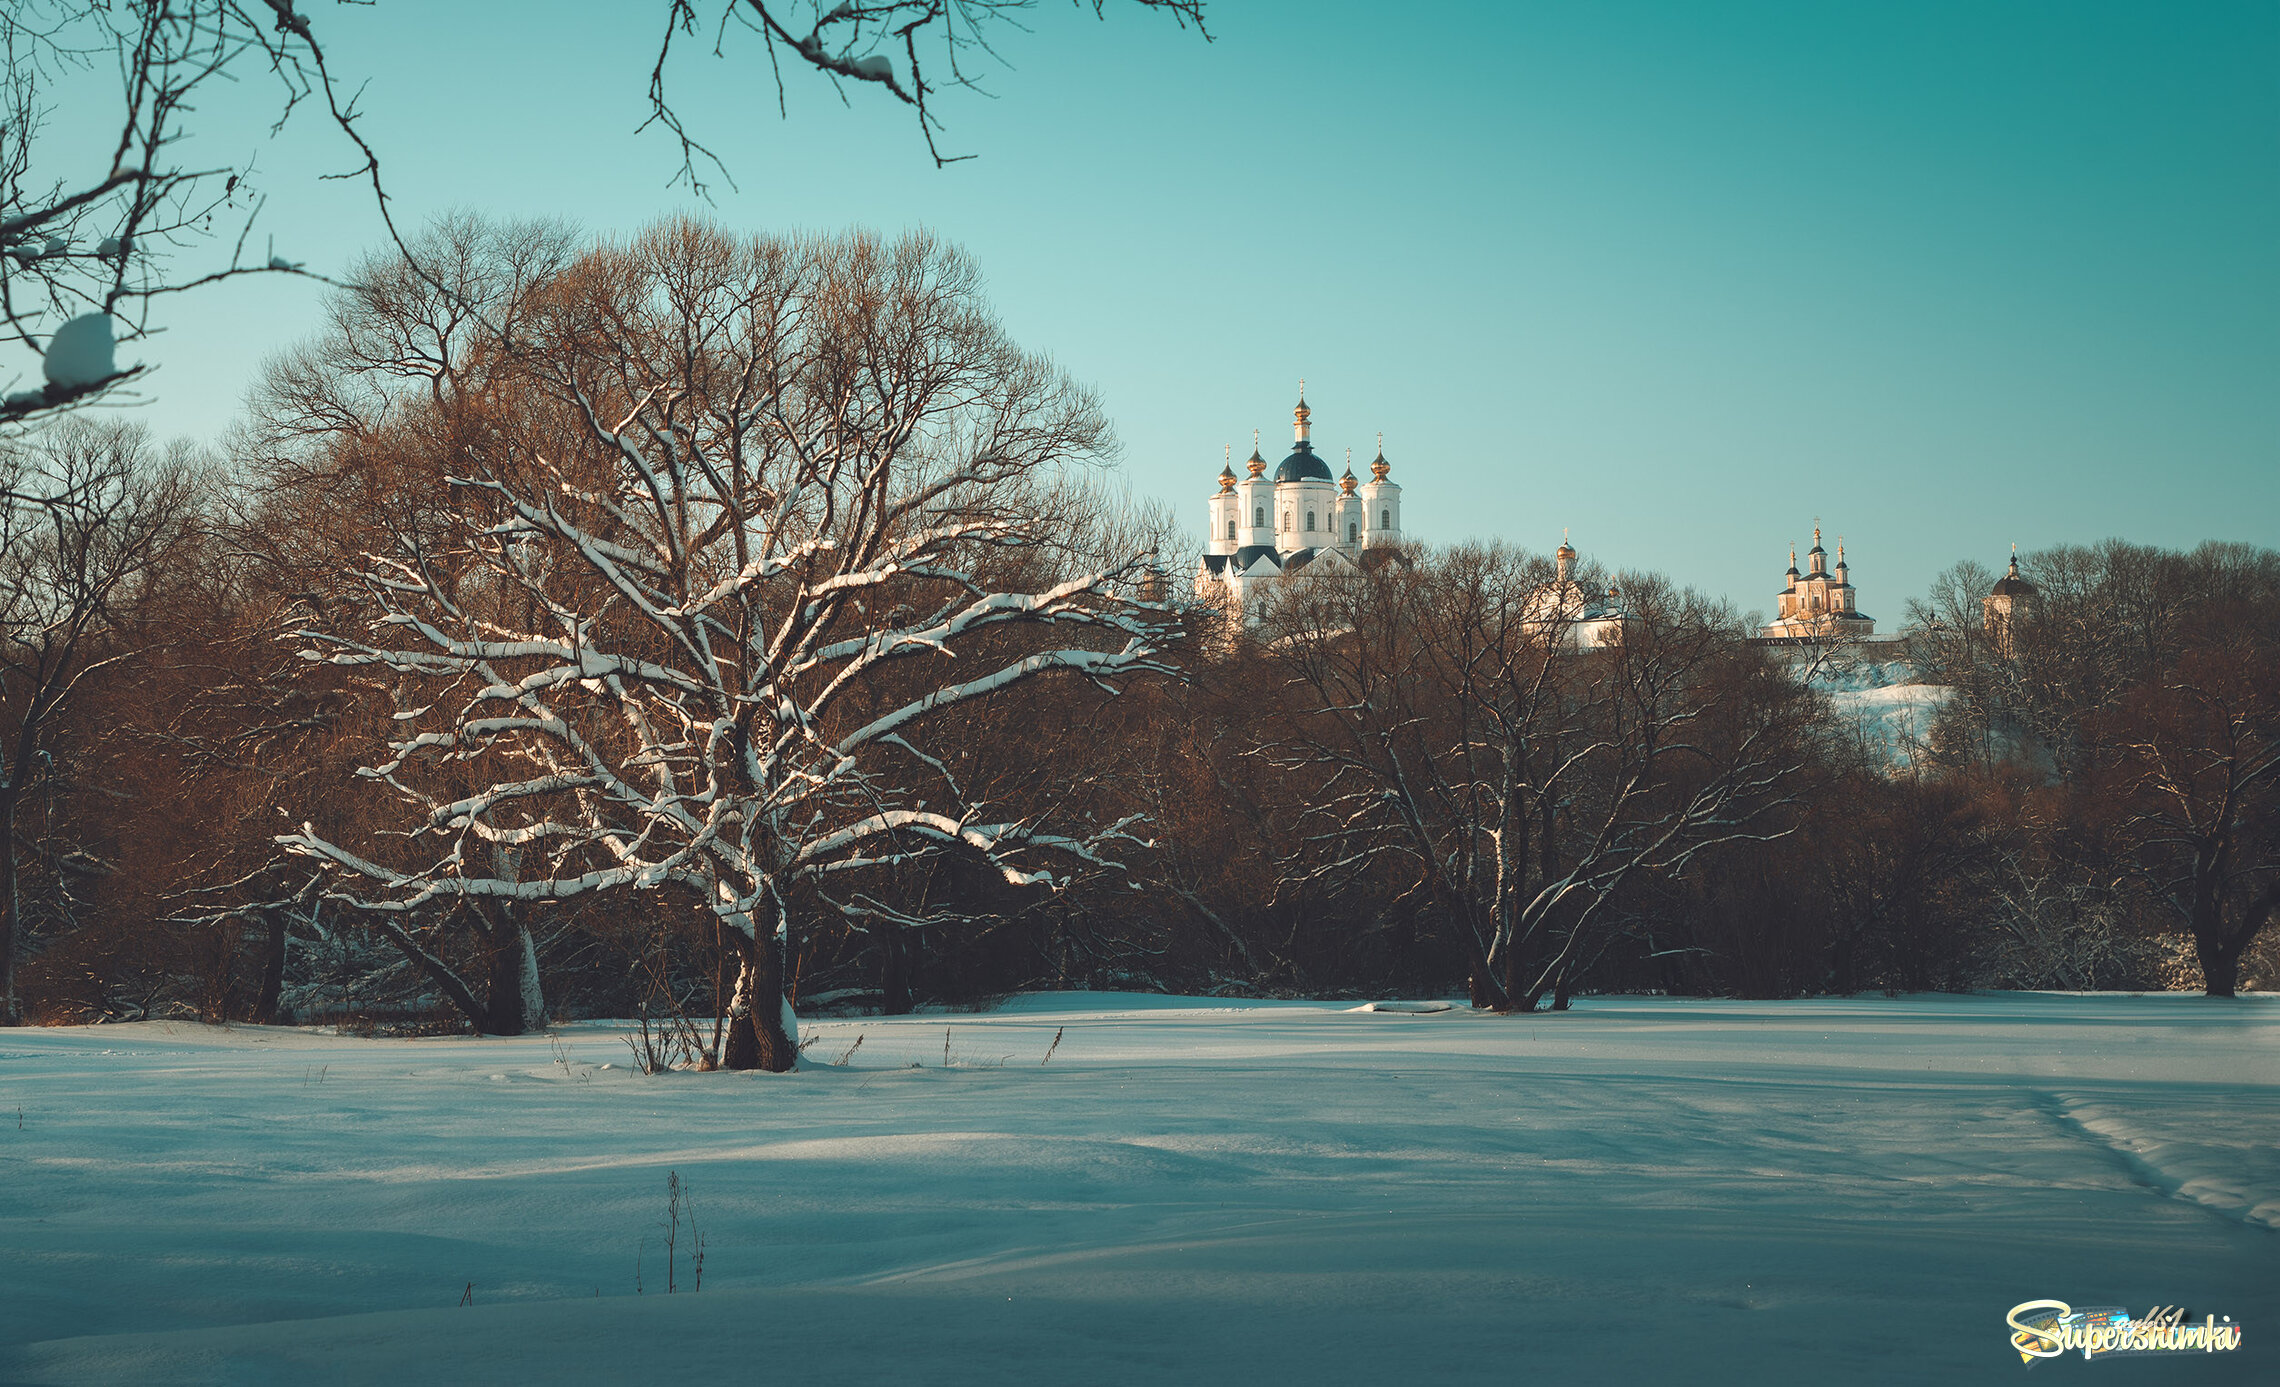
(1188, 1191)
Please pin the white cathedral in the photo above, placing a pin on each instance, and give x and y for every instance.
(1300, 521)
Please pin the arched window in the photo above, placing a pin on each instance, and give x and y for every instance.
(1353, 532)
(1286, 520)
(1310, 522)
(1385, 519)
(1258, 515)
(1231, 527)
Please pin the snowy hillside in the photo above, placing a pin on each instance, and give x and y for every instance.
(1185, 1191)
(1887, 703)
(1895, 721)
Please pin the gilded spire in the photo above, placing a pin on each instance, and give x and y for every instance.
(1300, 428)
(1227, 470)
(1257, 466)
(1380, 467)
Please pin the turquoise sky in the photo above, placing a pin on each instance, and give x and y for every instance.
(1679, 277)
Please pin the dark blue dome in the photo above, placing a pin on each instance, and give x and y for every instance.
(1303, 466)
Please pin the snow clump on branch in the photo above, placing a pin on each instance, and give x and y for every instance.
(80, 355)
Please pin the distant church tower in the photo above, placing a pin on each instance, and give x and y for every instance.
(1818, 604)
(1263, 529)
(2013, 600)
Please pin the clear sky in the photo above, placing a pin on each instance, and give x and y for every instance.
(1678, 277)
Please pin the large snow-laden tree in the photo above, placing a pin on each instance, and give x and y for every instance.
(1455, 732)
(744, 534)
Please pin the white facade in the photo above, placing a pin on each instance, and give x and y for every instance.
(1562, 611)
(1267, 528)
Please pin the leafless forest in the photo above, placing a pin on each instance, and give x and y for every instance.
(708, 624)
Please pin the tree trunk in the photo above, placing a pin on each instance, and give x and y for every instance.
(509, 966)
(533, 1000)
(450, 984)
(1486, 995)
(2218, 949)
(271, 990)
(1512, 973)
(2220, 966)
(1480, 974)
(512, 997)
(10, 1013)
(743, 1048)
(894, 973)
(1841, 976)
(757, 1035)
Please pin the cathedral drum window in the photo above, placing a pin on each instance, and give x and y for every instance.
(1310, 522)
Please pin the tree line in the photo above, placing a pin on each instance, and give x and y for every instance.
(703, 627)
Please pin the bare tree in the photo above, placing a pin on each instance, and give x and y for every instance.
(91, 246)
(2054, 926)
(2192, 758)
(1447, 720)
(88, 250)
(912, 50)
(721, 589)
(2136, 708)
(90, 518)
